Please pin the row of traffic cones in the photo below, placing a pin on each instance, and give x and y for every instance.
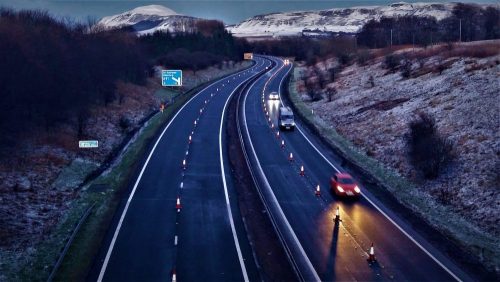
(371, 252)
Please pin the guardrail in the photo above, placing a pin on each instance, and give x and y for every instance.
(294, 251)
(69, 242)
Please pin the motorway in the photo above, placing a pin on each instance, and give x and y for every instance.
(205, 240)
(336, 251)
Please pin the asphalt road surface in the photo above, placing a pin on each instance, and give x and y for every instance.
(150, 239)
(203, 238)
(336, 251)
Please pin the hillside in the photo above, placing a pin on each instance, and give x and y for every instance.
(460, 88)
(151, 18)
(347, 20)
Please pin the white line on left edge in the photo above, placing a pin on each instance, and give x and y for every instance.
(228, 205)
(117, 230)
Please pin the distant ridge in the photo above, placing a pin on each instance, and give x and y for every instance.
(333, 20)
(151, 18)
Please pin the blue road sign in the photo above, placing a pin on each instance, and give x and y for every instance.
(171, 78)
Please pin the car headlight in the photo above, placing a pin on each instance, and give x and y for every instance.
(340, 189)
(356, 189)
(293, 123)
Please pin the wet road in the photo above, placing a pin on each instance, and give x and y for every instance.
(336, 251)
(150, 239)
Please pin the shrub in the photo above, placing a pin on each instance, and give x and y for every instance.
(363, 57)
(392, 61)
(330, 92)
(344, 58)
(371, 81)
(125, 123)
(406, 69)
(429, 152)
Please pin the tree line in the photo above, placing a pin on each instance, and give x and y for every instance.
(54, 71)
(468, 22)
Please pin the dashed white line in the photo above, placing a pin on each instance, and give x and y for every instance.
(129, 200)
(226, 194)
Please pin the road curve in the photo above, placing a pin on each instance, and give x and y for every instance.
(150, 239)
(336, 251)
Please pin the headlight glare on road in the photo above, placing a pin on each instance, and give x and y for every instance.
(340, 189)
(356, 189)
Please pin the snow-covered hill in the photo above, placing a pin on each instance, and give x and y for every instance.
(148, 19)
(333, 20)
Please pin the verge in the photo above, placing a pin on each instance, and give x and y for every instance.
(104, 192)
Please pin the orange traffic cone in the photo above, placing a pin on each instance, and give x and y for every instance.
(278, 134)
(272, 125)
(290, 157)
(190, 139)
(195, 122)
(318, 192)
(371, 254)
(302, 173)
(184, 164)
(178, 205)
(282, 143)
(337, 216)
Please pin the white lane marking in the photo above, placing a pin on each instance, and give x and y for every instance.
(289, 227)
(372, 203)
(122, 217)
(175, 240)
(228, 205)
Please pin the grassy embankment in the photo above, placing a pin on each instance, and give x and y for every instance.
(452, 226)
(114, 182)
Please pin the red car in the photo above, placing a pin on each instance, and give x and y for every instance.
(342, 184)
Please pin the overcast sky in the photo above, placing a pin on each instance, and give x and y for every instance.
(229, 11)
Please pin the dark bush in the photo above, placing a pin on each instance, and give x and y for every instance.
(392, 61)
(363, 57)
(406, 69)
(345, 58)
(429, 152)
(330, 92)
(125, 123)
(371, 81)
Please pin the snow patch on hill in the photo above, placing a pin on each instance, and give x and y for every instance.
(334, 20)
(151, 18)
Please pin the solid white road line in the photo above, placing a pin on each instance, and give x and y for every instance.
(122, 217)
(228, 205)
(370, 201)
(274, 199)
